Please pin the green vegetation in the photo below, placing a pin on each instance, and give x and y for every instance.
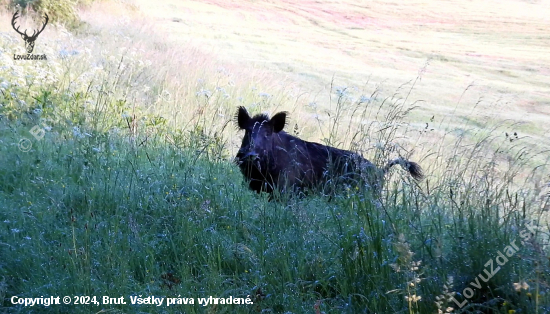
(127, 189)
(59, 11)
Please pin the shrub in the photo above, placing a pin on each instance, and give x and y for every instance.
(59, 11)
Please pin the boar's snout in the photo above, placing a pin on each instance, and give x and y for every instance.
(246, 156)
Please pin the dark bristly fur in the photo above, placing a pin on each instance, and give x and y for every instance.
(273, 159)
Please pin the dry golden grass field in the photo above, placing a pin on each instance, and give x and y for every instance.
(498, 50)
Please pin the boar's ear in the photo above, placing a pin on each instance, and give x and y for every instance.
(278, 121)
(242, 118)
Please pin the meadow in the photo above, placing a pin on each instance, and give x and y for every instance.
(116, 172)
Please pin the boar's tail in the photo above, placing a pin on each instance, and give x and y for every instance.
(412, 167)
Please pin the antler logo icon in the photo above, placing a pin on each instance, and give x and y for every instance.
(29, 40)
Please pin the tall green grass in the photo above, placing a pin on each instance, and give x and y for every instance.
(131, 192)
